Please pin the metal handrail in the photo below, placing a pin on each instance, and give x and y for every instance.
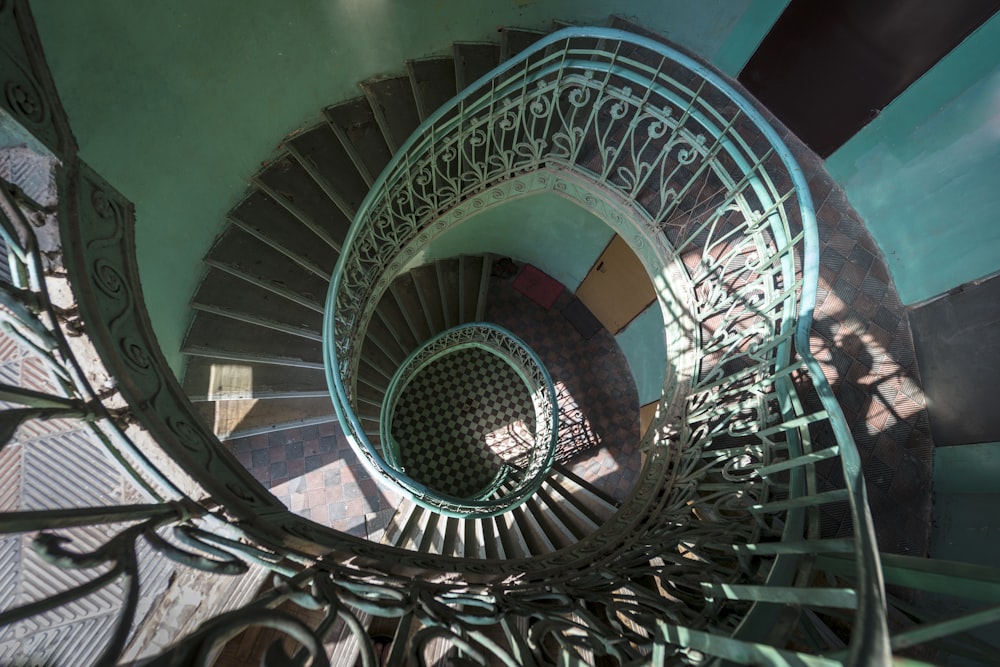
(528, 105)
(721, 527)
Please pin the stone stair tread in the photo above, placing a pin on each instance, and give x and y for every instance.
(287, 180)
(383, 338)
(223, 291)
(209, 379)
(587, 498)
(239, 252)
(265, 218)
(429, 294)
(448, 282)
(238, 419)
(433, 81)
(353, 121)
(395, 110)
(404, 290)
(329, 163)
(553, 527)
(515, 40)
(473, 60)
(210, 332)
(392, 325)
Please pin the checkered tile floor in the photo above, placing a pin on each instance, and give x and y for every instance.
(458, 420)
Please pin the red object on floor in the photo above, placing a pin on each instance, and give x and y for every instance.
(538, 286)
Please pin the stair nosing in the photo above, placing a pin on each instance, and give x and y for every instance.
(201, 351)
(321, 181)
(249, 318)
(290, 254)
(296, 212)
(264, 284)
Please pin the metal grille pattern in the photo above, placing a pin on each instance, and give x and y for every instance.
(718, 542)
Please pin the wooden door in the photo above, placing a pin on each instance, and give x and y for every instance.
(617, 287)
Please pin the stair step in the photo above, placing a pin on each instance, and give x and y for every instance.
(209, 379)
(515, 40)
(216, 336)
(558, 533)
(492, 542)
(391, 325)
(371, 395)
(374, 354)
(508, 530)
(395, 110)
(433, 82)
(404, 291)
(474, 542)
(473, 60)
(293, 187)
(239, 419)
(375, 369)
(448, 284)
(429, 295)
(247, 257)
(354, 124)
(379, 336)
(454, 534)
(434, 534)
(484, 287)
(263, 217)
(329, 164)
(256, 320)
(597, 505)
(223, 292)
(533, 533)
(413, 531)
(397, 525)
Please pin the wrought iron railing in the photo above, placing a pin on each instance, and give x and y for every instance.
(714, 553)
(689, 173)
(521, 476)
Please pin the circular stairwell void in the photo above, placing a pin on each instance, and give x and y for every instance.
(461, 421)
(471, 415)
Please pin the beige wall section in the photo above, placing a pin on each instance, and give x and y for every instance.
(617, 288)
(646, 415)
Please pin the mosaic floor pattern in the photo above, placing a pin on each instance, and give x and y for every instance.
(460, 419)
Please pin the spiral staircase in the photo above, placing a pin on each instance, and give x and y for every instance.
(316, 285)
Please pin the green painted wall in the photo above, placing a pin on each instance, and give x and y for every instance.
(177, 103)
(545, 230)
(643, 345)
(924, 175)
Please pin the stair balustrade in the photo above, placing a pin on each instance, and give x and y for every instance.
(717, 555)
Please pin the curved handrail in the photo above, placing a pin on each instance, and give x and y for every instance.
(424, 184)
(523, 482)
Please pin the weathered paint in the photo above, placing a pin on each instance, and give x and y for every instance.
(176, 104)
(545, 230)
(923, 175)
(644, 348)
(747, 34)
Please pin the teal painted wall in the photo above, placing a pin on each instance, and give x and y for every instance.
(643, 345)
(177, 103)
(545, 230)
(747, 34)
(925, 174)
(966, 495)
